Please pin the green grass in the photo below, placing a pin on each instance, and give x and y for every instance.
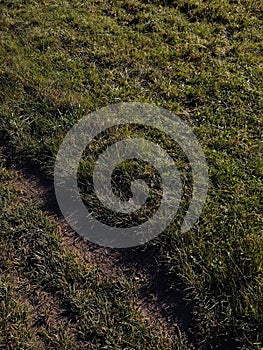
(200, 59)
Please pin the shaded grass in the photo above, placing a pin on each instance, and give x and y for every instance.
(199, 59)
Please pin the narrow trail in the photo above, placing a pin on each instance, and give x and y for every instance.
(156, 306)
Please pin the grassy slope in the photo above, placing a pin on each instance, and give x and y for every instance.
(201, 60)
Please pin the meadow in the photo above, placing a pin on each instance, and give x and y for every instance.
(202, 60)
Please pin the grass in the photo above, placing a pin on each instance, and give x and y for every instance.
(201, 60)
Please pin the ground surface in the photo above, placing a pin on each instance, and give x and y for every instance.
(202, 60)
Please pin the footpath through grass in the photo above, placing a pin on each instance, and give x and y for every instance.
(201, 60)
(50, 299)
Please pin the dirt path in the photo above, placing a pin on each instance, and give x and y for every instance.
(155, 305)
